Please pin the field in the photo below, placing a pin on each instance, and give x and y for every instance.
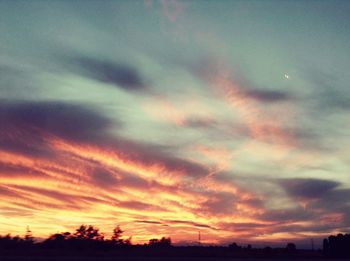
(75, 258)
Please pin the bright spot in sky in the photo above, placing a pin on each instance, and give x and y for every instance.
(286, 76)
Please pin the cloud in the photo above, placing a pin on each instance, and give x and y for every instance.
(141, 206)
(249, 227)
(121, 75)
(169, 223)
(198, 122)
(70, 200)
(334, 201)
(149, 222)
(29, 124)
(220, 203)
(247, 103)
(287, 215)
(321, 199)
(191, 223)
(150, 154)
(69, 121)
(328, 93)
(14, 171)
(308, 188)
(6, 192)
(267, 95)
(103, 177)
(109, 174)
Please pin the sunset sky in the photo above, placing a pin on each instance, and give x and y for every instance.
(171, 117)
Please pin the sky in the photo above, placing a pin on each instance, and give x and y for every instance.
(172, 117)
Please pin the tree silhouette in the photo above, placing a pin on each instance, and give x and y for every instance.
(116, 236)
(234, 246)
(8, 242)
(291, 248)
(58, 240)
(163, 242)
(88, 233)
(153, 241)
(60, 236)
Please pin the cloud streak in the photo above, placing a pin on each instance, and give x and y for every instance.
(121, 75)
(120, 175)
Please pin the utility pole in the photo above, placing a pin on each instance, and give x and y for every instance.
(199, 237)
(312, 244)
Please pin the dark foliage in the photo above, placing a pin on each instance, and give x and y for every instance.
(88, 241)
(163, 242)
(291, 248)
(337, 246)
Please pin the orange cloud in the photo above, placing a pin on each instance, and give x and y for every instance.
(65, 187)
(106, 181)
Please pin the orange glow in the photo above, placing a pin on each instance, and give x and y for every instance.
(61, 194)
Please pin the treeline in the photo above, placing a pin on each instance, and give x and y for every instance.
(87, 240)
(337, 246)
(84, 237)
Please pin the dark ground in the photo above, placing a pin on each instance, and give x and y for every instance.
(67, 258)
